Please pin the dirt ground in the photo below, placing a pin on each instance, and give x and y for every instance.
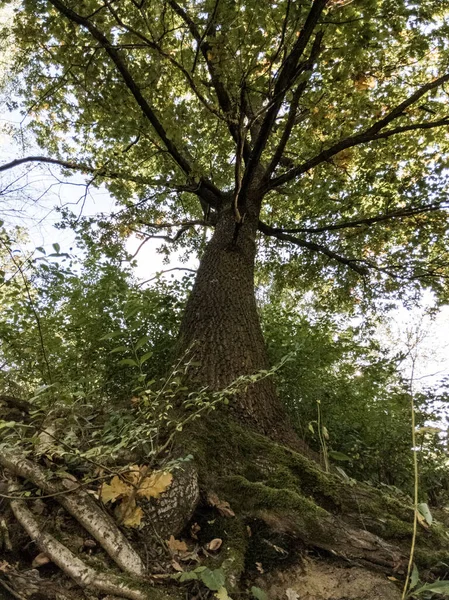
(320, 580)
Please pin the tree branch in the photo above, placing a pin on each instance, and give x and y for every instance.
(293, 109)
(369, 135)
(400, 213)
(352, 263)
(183, 227)
(130, 83)
(285, 80)
(224, 98)
(207, 192)
(154, 46)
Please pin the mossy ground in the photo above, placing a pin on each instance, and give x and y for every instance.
(270, 483)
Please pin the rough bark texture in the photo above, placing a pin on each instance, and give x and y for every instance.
(221, 328)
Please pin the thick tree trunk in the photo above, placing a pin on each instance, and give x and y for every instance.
(221, 328)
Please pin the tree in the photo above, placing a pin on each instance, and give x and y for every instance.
(311, 136)
(319, 126)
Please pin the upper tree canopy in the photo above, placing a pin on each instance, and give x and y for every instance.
(339, 107)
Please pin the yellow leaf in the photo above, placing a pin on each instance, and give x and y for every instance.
(128, 513)
(114, 490)
(134, 474)
(133, 517)
(222, 594)
(155, 484)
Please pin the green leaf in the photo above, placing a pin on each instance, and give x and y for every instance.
(142, 341)
(214, 580)
(437, 587)
(56, 247)
(424, 510)
(41, 250)
(258, 593)
(110, 336)
(339, 456)
(4, 424)
(188, 576)
(414, 578)
(128, 361)
(311, 429)
(118, 349)
(222, 594)
(145, 357)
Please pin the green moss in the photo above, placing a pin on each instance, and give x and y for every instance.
(265, 480)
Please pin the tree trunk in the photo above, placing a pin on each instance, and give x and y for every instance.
(221, 329)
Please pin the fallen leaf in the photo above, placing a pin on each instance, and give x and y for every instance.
(40, 560)
(290, 594)
(177, 567)
(175, 545)
(222, 506)
(248, 531)
(4, 566)
(155, 484)
(110, 492)
(214, 545)
(194, 530)
(259, 568)
(133, 517)
(134, 474)
(128, 513)
(276, 548)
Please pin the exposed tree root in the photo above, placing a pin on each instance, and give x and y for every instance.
(351, 520)
(270, 487)
(83, 508)
(74, 567)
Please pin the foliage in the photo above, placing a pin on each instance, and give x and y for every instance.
(340, 375)
(343, 105)
(75, 319)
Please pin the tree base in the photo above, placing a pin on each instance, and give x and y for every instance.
(281, 521)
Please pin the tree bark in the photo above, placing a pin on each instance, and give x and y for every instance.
(221, 329)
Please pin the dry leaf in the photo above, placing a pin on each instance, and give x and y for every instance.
(291, 594)
(421, 520)
(134, 474)
(177, 567)
(4, 566)
(110, 492)
(343, 158)
(155, 484)
(248, 531)
(222, 506)
(194, 530)
(133, 517)
(364, 82)
(175, 545)
(40, 560)
(259, 567)
(214, 545)
(128, 513)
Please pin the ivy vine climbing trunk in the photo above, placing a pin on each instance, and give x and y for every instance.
(221, 328)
